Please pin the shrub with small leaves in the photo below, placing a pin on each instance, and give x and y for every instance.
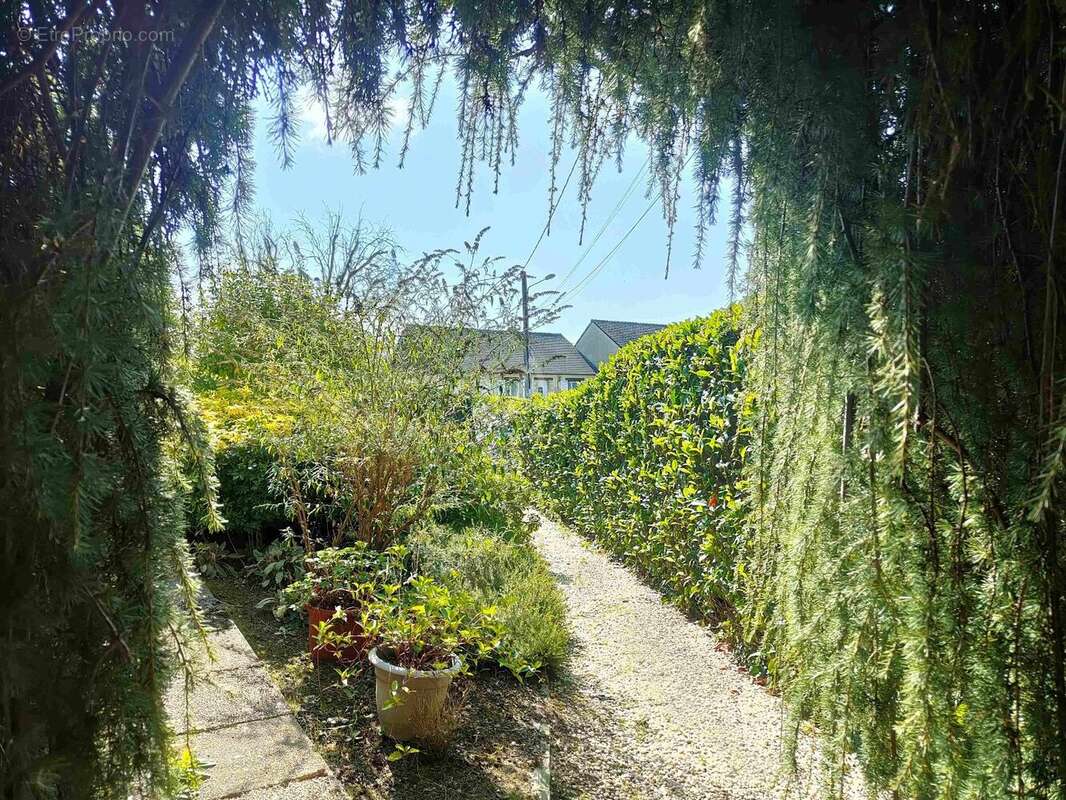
(646, 457)
(343, 576)
(422, 623)
(510, 576)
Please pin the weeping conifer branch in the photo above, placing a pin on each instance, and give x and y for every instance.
(926, 138)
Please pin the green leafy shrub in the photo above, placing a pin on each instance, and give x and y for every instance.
(242, 426)
(343, 575)
(279, 563)
(510, 576)
(187, 775)
(314, 463)
(421, 623)
(470, 592)
(352, 474)
(213, 559)
(245, 493)
(420, 620)
(485, 494)
(327, 415)
(645, 457)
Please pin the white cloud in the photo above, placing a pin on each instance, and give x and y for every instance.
(313, 116)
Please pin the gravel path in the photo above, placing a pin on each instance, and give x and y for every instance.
(652, 708)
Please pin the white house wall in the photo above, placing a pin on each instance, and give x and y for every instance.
(514, 387)
(595, 345)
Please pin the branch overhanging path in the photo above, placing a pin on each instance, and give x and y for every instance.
(652, 706)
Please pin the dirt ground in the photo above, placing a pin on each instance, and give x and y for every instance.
(649, 706)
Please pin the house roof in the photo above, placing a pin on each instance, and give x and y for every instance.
(549, 354)
(622, 333)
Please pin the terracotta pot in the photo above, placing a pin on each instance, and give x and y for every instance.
(412, 713)
(350, 625)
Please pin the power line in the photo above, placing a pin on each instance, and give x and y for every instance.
(581, 284)
(552, 210)
(570, 294)
(551, 214)
(606, 223)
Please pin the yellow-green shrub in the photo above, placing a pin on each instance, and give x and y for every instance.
(241, 425)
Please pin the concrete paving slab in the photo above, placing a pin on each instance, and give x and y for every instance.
(256, 755)
(224, 698)
(229, 647)
(312, 789)
(243, 731)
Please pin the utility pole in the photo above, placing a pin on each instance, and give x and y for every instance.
(525, 324)
(525, 335)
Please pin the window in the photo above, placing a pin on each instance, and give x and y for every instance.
(572, 383)
(542, 385)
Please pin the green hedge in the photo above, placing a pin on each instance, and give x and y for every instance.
(645, 458)
(241, 425)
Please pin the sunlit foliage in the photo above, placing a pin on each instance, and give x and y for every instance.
(646, 457)
(899, 168)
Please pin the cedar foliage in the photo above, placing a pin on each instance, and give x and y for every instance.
(900, 165)
(907, 276)
(901, 168)
(109, 146)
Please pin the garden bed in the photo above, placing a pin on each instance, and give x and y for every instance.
(499, 742)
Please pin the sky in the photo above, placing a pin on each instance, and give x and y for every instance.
(418, 204)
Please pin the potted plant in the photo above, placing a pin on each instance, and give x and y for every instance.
(333, 592)
(334, 629)
(421, 627)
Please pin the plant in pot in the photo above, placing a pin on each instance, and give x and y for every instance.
(424, 631)
(333, 592)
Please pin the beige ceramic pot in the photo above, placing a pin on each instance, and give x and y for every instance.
(410, 700)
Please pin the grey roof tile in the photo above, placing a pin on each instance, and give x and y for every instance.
(549, 354)
(622, 333)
